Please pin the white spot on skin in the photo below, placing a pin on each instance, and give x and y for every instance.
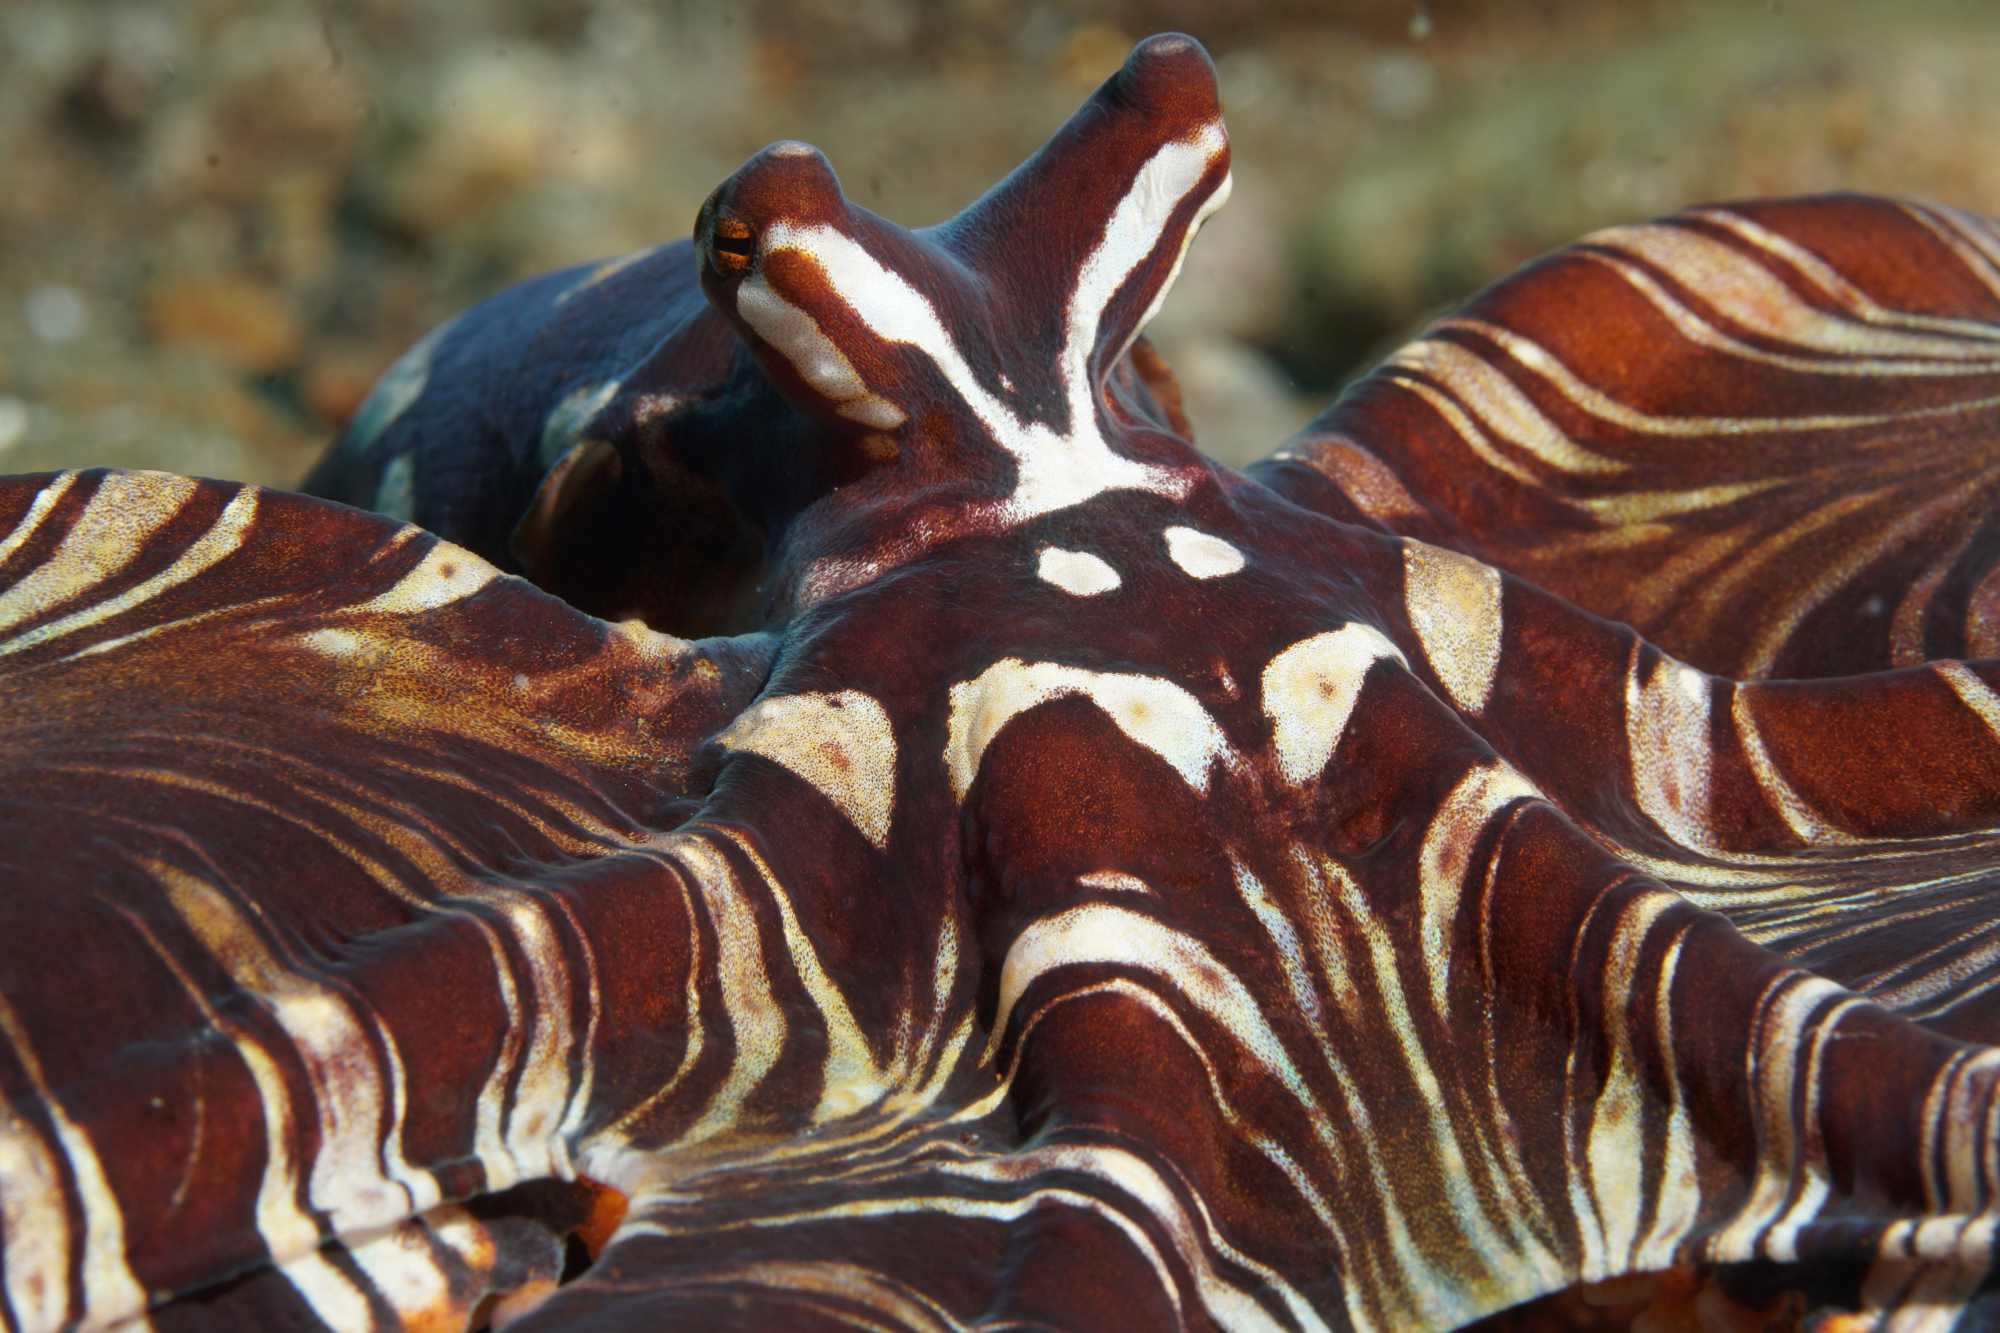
(840, 743)
(400, 386)
(396, 494)
(1156, 713)
(1078, 573)
(1055, 470)
(1310, 690)
(1200, 555)
(1453, 602)
(567, 419)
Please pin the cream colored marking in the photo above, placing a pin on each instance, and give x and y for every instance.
(1114, 881)
(34, 1225)
(1829, 280)
(1078, 573)
(400, 386)
(1799, 816)
(38, 509)
(1446, 858)
(1453, 602)
(1526, 1266)
(1780, 1035)
(751, 1010)
(446, 574)
(110, 1291)
(519, 1123)
(1667, 742)
(400, 1264)
(693, 1022)
(1055, 469)
(600, 272)
(358, 1179)
(1098, 933)
(1500, 406)
(839, 743)
(1310, 690)
(327, 1292)
(1193, 1236)
(223, 538)
(1532, 356)
(570, 417)
(831, 576)
(1926, 518)
(1630, 508)
(128, 508)
(1677, 1197)
(288, 1232)
(1468, 430)
(1209, 208)
(1748, 294)
(1615, 1140)
(1359, 474)
(1973, 692)
(1202, 555)
(851, 1078)
(1970, 243)
(396, 493)
(1155, 713)
(1244, 1128)
(794, 334)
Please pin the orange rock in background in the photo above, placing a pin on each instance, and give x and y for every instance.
(249, 326)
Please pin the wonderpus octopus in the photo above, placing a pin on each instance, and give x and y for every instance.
(935, 851)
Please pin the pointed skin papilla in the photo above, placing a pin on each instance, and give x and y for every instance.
(1762, 434)
(1116, 894)
(600, 431)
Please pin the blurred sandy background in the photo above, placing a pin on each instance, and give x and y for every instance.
(220, 219)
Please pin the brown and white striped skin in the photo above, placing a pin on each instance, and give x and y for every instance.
(1761, 434)
(1112, 892)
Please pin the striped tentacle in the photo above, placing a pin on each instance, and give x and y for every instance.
(1850, 825)
(1761, 434)
(322, 834)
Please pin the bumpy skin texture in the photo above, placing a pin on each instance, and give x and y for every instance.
(1106, 891)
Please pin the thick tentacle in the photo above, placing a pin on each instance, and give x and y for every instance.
(1848, 824)
(325, 846)
(1762, 434)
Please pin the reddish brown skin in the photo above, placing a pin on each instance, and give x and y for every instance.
(1287, 1071)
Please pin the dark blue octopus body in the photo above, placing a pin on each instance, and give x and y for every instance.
(935, 851)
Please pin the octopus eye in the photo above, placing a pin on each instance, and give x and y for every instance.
(731, 245)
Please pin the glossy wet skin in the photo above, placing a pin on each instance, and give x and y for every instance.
(965, 370)
(1106, 890)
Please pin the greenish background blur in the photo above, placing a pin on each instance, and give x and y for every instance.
(220, 219)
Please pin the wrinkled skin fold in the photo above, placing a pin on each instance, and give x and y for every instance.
(937, 852)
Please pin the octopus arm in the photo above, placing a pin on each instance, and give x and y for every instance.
(1761, 434)
(321, 836)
